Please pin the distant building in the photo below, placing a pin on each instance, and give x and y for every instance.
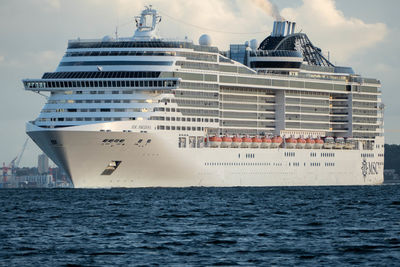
(35, 181)
(43, 164)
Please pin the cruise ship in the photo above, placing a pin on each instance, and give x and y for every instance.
(146, 111)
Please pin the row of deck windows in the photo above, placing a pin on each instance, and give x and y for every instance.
(155, 118)
(201, 86)
(100, 74)
(241, 90)
(276, 164)
(107, 101)
(242, 164)
(96, 110)
(179, 128)
(197, 65)
(161, 127)
(119, 53)
(289, 154)
(188, 55)
(104, 92)
(367, 155)
(84, 119)
(79, 84)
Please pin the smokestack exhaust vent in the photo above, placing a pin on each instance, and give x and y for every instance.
(283, 28)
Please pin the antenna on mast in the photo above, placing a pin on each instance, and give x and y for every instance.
(146, 24)
(116, 32)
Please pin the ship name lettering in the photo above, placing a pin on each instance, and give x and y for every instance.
(144, 127)
(141, 127)
(372, 168)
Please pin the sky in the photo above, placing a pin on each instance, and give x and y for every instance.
(363, 34)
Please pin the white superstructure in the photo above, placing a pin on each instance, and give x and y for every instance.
(145, 111)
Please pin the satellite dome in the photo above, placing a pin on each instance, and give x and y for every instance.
(107, 38)
(253, 44)
(205, 39)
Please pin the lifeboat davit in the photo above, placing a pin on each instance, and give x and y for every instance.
(236, 141)
(256, 142)
(290, 142)
(339, 142)
(329, 142)
(276, 141)
(226, 141)
(266, 142)
(349, 143)
(301, 143)
(310, 143)
(246, 142)
(215, 141)
(319, 143)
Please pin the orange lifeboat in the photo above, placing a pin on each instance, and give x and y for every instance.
(319, 143)
(290, 142)
(236, 141)
(256, 142)
(266, 142)
(276, 141)
(215, 141)
(246, 142)
(310, 143)
(226, 141)
(301, 143)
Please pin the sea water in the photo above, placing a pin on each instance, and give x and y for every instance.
(262, 226)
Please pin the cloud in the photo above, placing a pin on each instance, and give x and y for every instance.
(270, 8)
(45, 57)
(56, 4)
(220, 19)
(329, 28)
(326, 26)
(381, 67)
(44, 60)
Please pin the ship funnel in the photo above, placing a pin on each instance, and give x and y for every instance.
(283, 28)
(289, 24)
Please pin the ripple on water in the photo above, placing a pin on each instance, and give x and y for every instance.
(201, 226)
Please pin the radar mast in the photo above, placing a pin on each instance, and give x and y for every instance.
(146, 24)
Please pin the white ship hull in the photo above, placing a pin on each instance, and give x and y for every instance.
(161, 163)
(134, 112)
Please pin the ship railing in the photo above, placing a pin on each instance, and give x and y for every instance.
(131, 43)
(130, 39)
(275, 53)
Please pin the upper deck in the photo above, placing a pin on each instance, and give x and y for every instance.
(246, 90)
(131, 43)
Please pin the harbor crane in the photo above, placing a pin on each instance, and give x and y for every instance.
(13, 165)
